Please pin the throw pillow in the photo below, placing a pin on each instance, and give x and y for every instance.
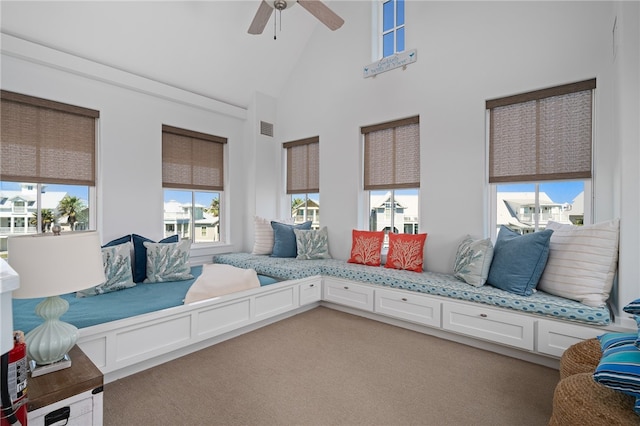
(140, 255)
(366, 247)
(118, 241)
(619, 369)
(518, 260)
(582, 262)
(312, 244)
(473, 260)
(284, 239)
(406, 251)
(168, 261)
(633, 307)
(612, 340)
(116, 260)
(263, 234)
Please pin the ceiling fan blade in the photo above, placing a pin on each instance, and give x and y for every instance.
(322, 13)
(260, 20)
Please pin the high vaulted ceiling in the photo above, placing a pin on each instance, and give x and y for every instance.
(202, 46)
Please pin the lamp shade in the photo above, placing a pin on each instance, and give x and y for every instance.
(51, 265)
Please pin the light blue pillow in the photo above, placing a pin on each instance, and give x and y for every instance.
(312, 244)
(619, 369)
(284, 239)
(612, 340)
(519, 260)
(473, 260)
(168, 261)
(116, 260)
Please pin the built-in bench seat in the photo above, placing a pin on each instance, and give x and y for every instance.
(439, 284)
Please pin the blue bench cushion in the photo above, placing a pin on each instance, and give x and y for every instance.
(434, 283)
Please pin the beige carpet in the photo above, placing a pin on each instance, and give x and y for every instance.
(325, 367)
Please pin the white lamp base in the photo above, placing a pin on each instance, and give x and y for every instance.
(39, 370)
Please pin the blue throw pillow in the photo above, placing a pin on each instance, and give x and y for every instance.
(140, 255)
(619, 369)
(612, 340)
(519, 260)
(284, 239)
(633, 307)
(118, 241)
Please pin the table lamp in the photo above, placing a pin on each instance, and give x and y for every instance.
(49, 265)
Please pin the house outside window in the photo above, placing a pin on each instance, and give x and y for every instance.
(193, 182)
(303, 180)
(47, 166)
(392, 27)
(392, 175)
(540, 157)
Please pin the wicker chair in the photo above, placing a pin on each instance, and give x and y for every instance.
(579, 400)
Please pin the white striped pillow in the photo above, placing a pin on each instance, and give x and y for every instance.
(263, 240)
(582, 262)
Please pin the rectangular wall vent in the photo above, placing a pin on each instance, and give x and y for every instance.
(266, 128)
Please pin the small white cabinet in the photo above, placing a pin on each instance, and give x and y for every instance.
(407, 306)
(555, 337)
(489, 324)
(310, 292)
(348, 293)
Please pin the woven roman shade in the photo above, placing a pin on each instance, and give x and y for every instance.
(542, 135)
(303, 166)
(192, 160)
(392, 154)
(43, 141)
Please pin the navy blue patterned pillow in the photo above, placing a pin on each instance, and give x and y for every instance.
(140, 255)
(519, 260)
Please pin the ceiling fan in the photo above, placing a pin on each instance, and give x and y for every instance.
(315, 7)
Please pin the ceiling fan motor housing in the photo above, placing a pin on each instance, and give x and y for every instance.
(283, 4)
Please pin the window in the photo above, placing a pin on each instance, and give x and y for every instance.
(392, 175)
(303, 179)
(540, 157)
(392, 26)
(47, 166)
(193, 181)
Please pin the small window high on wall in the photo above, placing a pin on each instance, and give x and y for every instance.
(193, 182)
(392, 175)
(47, 166)
(540, 157)
(303, 179)
(392, 27)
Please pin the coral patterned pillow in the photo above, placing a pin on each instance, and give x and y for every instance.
(405, 251)
(366, 247)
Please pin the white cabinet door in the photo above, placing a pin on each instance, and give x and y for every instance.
(489, 324)
(347, 293)
(555, 337)
(407, 306)
(310, 292)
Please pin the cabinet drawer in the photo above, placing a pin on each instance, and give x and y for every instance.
(348, 293)
(489, 324)
(80, 411)
(411, 307)
(310, 292)
(554, 338)
(276, 302)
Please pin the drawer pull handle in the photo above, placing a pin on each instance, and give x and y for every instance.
(483, 315)
(404, 299)
(346, 288)
(311, 285)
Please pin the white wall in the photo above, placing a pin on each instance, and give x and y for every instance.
(468, 52)
(132, 111)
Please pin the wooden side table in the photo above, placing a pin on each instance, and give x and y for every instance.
(73, 395)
